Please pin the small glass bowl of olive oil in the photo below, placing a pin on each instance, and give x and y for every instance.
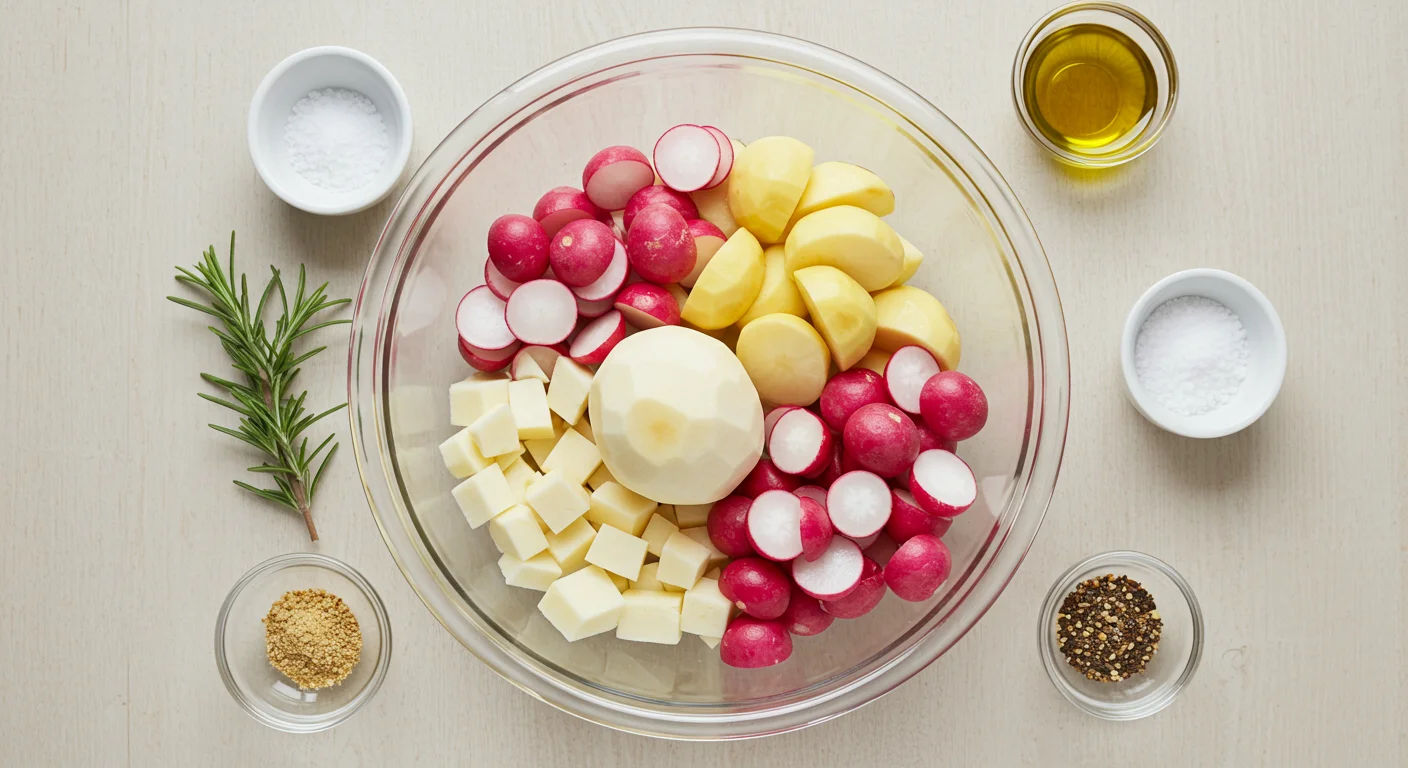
(1095, 84)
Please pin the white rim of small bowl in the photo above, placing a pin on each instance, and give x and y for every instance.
(373, 193)
(1135, 320)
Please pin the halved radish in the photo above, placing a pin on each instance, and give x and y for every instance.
(759, 588)
(905, 373)
(480, 320)
(518, 246)
(725, 160)
(866, 542)
(660, 246)
(804, 616)
(611, 280)
(834, 468)
(868, 592)
(561, 205)
(764, 477)
(775, 525)
(815, 528)
(680, 294)
(687, 157)
(524, 366)
(814, 492)
(848, 392)
(657, 195)
(859, 503)
(750, 643)
(880, 548)
(929, 441)
(953, 405)
(908, 519)
(728, 526)
(882, 439)
(647, 305)
(545, 357)
(770, 420)
(500, 285)
(614, 174)
(708, 239)
(594, 309)
(918, 567)
(598, 338)
(799, 443)
(487, 359)
(833, 575)
(581, 252)
(542, 312)
(942, 483)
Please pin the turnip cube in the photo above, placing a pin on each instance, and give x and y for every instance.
(576, 456)
(700, 535)
(529, 403)
(657, 532)
(585, 427)
(495, 433)
(712, 642)
(461, 456)
(506, 460)
(515, 532)
(484, 495)
(539, 449)
(615, 505)
(667, 511)
(473, 397)
(583, 604)
(567, 394)
(706, 610)
(600, 477)
(538, 572)
(622, 583)
(682, 561)
(692, 515)
(519, 475)
(616, 551)
(649, 580)
(650, 617)
(569, 548)
(557, 500)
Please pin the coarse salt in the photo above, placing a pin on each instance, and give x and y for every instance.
(1191, 355)
(336, 139)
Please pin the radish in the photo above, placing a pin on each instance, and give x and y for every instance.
(561, 205)
(614, 174)
(611, 280)
(905, 373)
(770, 420)
(654, 195)
(929, 441)
(868, 592)
(882, 439)
(598, 338)
(480, 320)
(545, 357)
(953, 405)
(799, 443)
(725, 158)
(775, 525)
(525, 367)
(834, 468)
(708, 239)
(518, 246)
(594, 309)
(581, 252)
(487, 359)
(750, 643)
(542, 312)
(500, 285)
(848, 392)
(834, 574)
(660, 246)
(858, 503)
(908, 519)
(866, 542)
(647, 305)
(728, 526)
(687, 157)
(759, 588)
(880, 548)
(918, 567)
(814, 492)
(942, 483)
(766, 477)
(815, 528)
(804, 616)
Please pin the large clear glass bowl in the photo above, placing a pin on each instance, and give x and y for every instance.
(983, 261)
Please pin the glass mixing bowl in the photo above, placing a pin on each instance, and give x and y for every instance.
(983, 262)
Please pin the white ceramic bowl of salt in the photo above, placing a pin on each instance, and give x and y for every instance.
(1200, 370)
(330, 130)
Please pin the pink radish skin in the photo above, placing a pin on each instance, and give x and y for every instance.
(759, 588)
(814, 492)
(848, 392)
(647, 305)
(518, 246)
(942, 483)
(770, 420)
(905, 373)
(545, 357)
(868, 593)
(687, 157)
(882, 439)
(610, 282)
(834, 468)
(708, 239)
(775, 525)
(725, 157)
(659, 245)
(815, 528)
(657, 195)
(766, 477)
(614, 174)
(487, 360)
(833, 575)
(480, 320)
(500, 285)
(858, 503)
(908, 519)
(581, 252)
(799, 443)
(598, 338)
(542, 312)
(917, 568)
(751, 643)
(804, 616)
(728, 526)
(928, 441)
(953, 405)
(594, 309)
(562, 205)
(880, 549)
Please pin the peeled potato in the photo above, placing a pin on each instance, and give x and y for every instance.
(907, 315)
(778, 294)
(728, 286)
(875, 360)
(786, 358)
(841, 310)
(767, 180)
(851, 239)
(912, 259)
(834, 183)
(728, 335)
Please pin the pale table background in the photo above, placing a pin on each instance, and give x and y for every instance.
(123, 153)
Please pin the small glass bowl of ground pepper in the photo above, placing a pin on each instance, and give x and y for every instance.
(1144, 641)
(302, 642)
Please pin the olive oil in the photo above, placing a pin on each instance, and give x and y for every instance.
(1089, 88)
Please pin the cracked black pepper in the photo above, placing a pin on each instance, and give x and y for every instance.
(1109, 628)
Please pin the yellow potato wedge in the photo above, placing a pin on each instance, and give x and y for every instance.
(834, 183)
(850, 239)
(875, 360)
(840, 309)
(778, 294)
(728, 286)
(786, 358)
(908, 315)
(767, 180)
(912, 259)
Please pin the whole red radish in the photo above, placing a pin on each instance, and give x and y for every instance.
(751, 643)
(708, 239)
(759, 588)
(953, 405)
(647, 305)
(918, 567)
(942, 483)
(766, 477)
(816, 529)
(908, 519)
(614, 174)
(882, 439)
(804, 616)
(929, 441)
(561, 205)
(658, 195)
(833, 575)
(518, 246)
(581, 252)
(596, 340)
(848, 392)
(660, 246)
(487, 359)
(728, 526)
(866, 595)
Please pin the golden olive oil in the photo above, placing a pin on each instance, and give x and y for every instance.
(1089, 86)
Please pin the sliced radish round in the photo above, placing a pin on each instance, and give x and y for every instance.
(561, 205)
(942, 483)
(500, 285)
(542, 312)
(647, 305)
(545, 357)
(770, 420)
(815, 528)
(614, 174)
(594, 309)
(869, 591)
(775, 525)
(833, 575)
(657, 195)
(480, 320)
(611, 280)
(725, 160)
(598, 338)
(814, 492)
(905, 373)
(687, 157)
(859, 503)
(799, 443)
(866, 542)
(487, 359)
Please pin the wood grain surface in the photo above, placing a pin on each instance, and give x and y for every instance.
(123, 153)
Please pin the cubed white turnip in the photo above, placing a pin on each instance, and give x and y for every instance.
(905, 373)
(480, 320)
(882, 439)
(657, 195)
(751, 643)
(581, 252)
(942, 483)
(708, 239)
(834, 574)
(596, 340)
(660, 246)
(858, 503)
(804, 616)
(953, 405)
(687, 157)
(765, 476)
(849, 391)
(775, 525)
(561, 205)
(542, 312)
(500, 285)
(868, 593)
(799, 443)
(647, 305)
(758, 587)
(918, 567)
(728, 526)
(614, 174)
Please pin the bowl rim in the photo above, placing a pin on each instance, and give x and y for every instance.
(382, 662)
(1038, 303)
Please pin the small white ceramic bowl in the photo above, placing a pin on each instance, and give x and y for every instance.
(1266, 340)
(309, 70)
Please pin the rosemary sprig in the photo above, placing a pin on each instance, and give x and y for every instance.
(272, 418)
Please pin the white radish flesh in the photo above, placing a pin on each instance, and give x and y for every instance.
(611, 280)
(866, 542)
(725, 159)
(942, 483)
(561, 205)
(799, 443)
(614, 174)
(487, 359)
(480, 320)
(770, 420)
(598, 338)
(594, 309)
(687, 157)
(859, 503)
(775, 525)
(542, 312)
(647, 305)
(833, 575)
(500, 285)
(869, 591)
(545, 357)
(905, 373)
(814, 492)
